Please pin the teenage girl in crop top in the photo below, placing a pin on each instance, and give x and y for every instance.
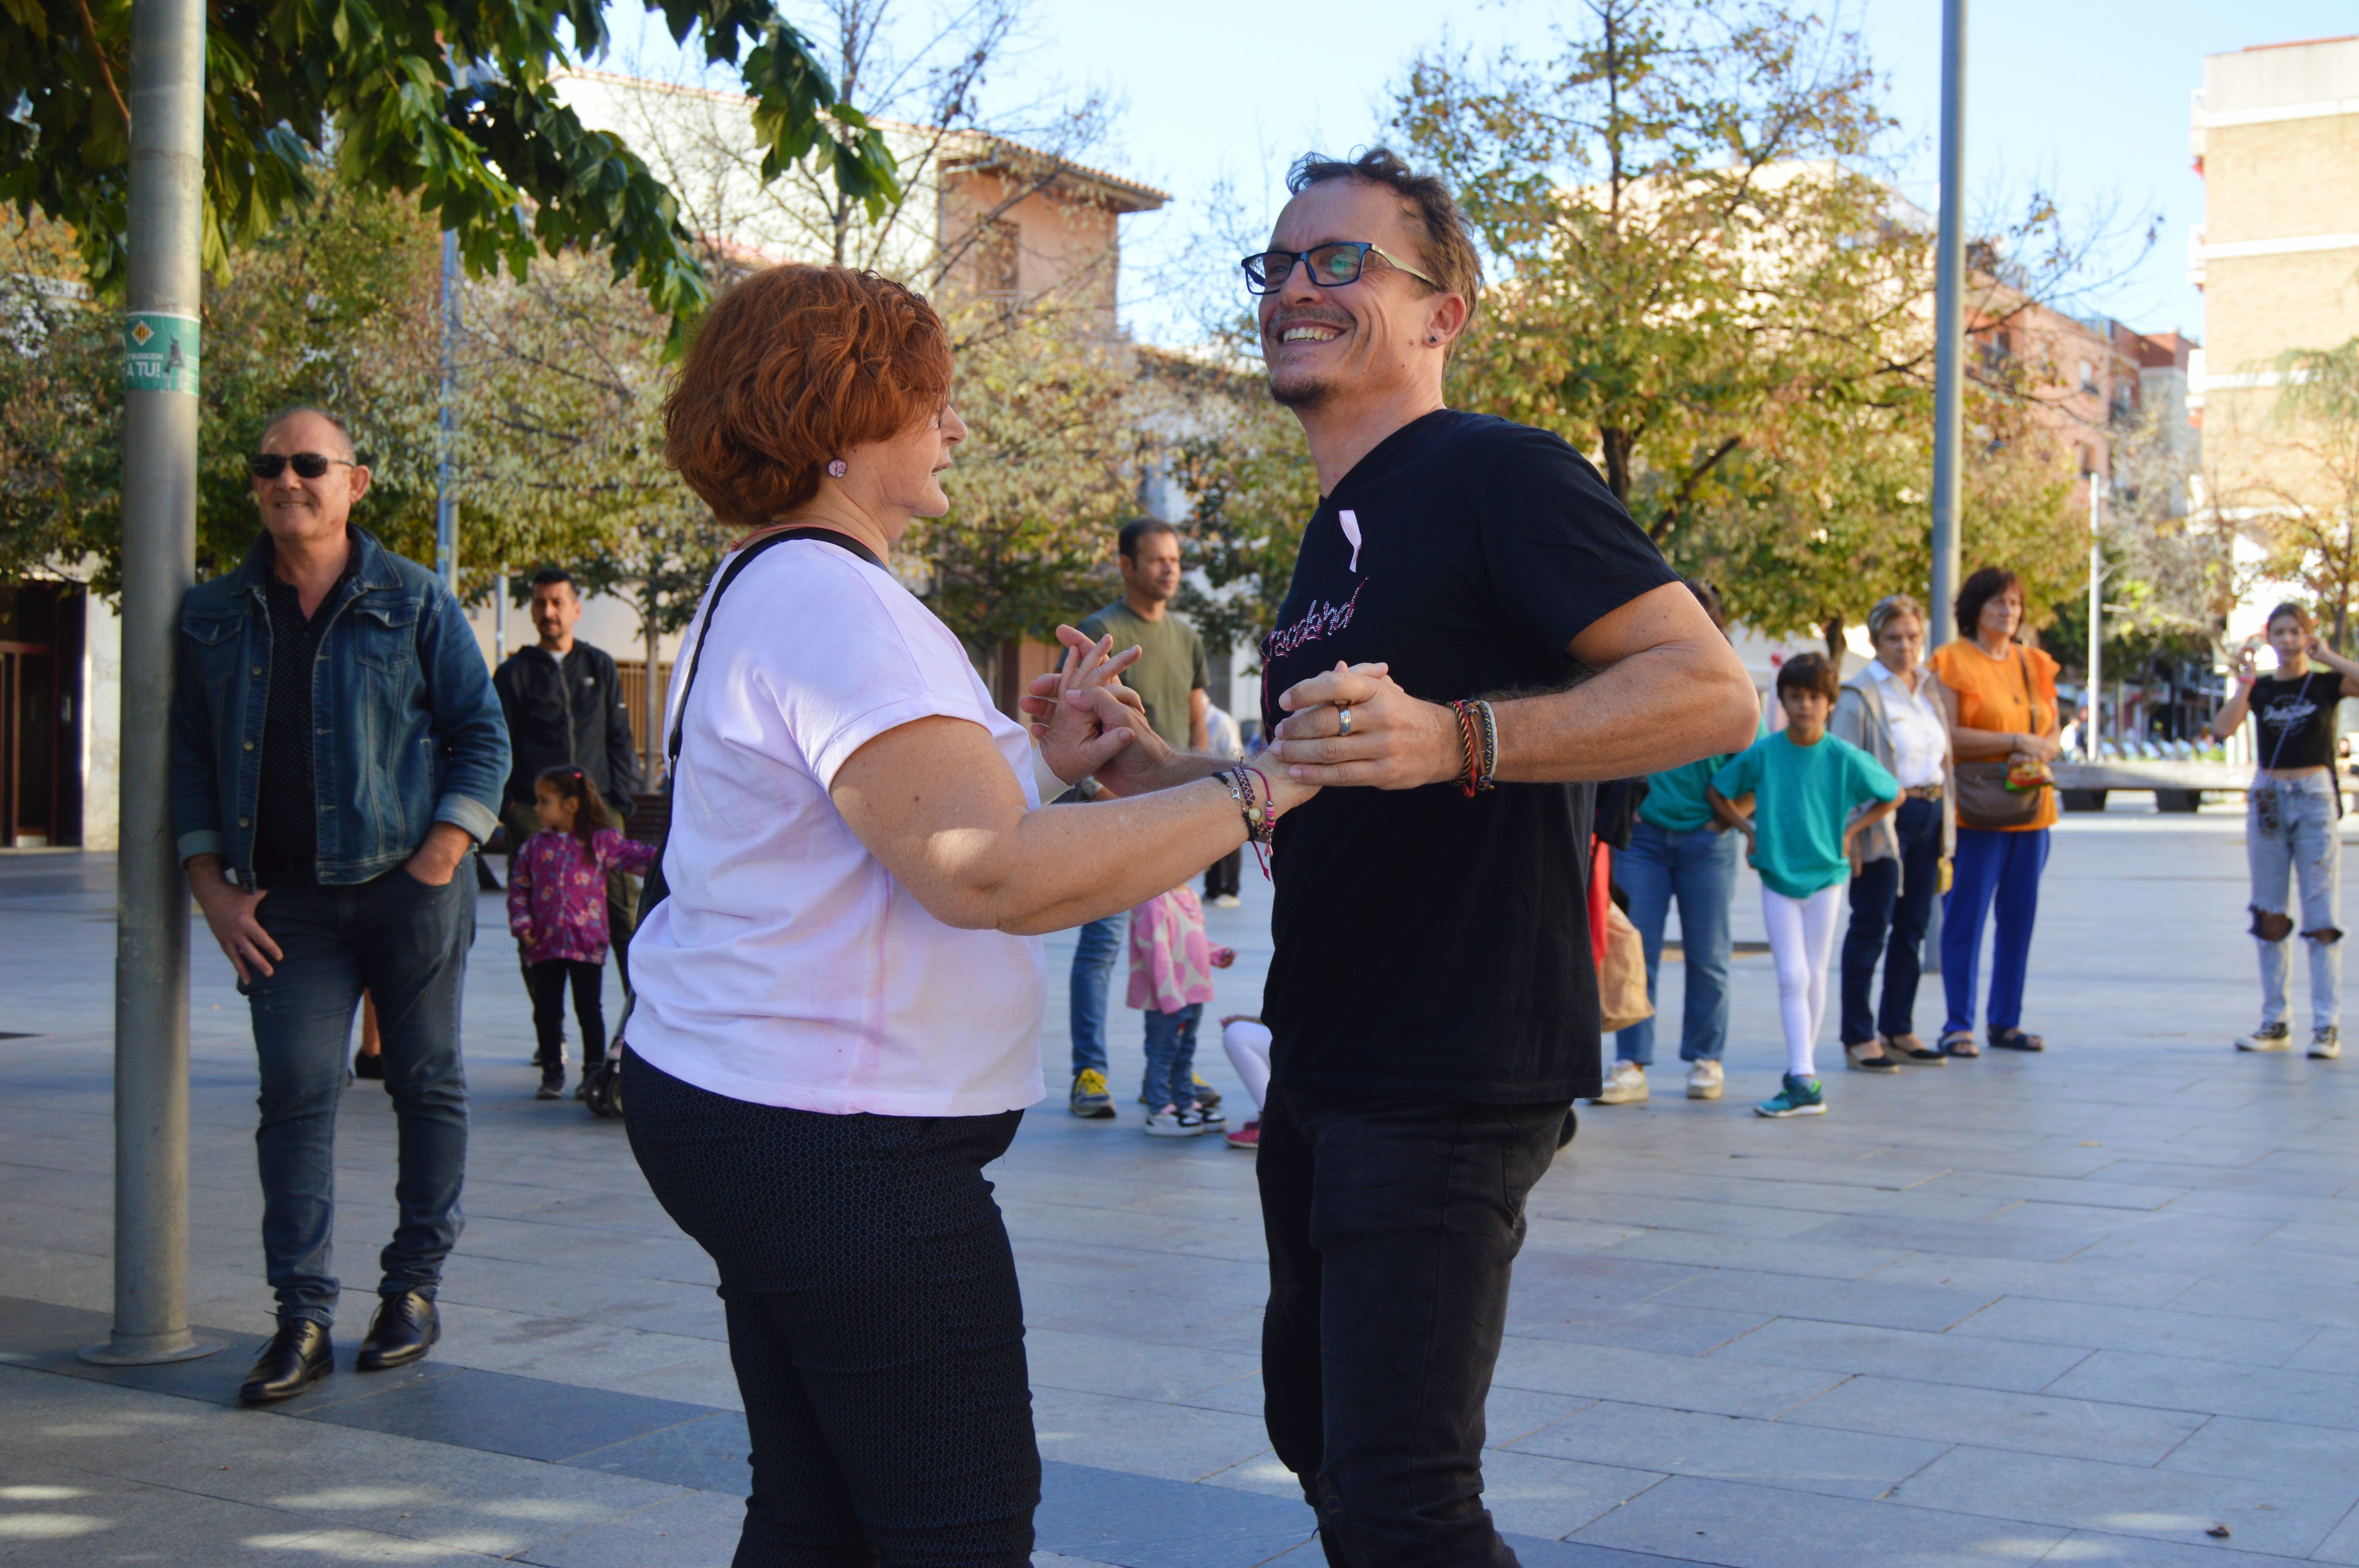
(2292, 830)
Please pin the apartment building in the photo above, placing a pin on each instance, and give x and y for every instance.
(2276, 137)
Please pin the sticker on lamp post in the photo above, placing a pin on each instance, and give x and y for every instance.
(160, 352)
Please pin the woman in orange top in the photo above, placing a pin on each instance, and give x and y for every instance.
(2002, 699)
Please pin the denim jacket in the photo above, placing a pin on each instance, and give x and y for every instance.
(409, 730)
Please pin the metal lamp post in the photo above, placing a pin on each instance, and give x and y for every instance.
(1949, 321)
(2090, 732)
(159, 553)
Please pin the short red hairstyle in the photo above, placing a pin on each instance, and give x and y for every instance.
(793, 367)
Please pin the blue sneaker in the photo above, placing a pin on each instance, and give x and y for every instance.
(1801, 1097)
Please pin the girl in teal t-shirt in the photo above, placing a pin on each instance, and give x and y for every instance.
(1806, 785)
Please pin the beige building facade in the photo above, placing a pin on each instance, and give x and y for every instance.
(2276, 137)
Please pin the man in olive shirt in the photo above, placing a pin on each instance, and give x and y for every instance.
(1170, 679)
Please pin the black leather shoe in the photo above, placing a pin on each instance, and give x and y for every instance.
(298, 1355)
(406, 1327)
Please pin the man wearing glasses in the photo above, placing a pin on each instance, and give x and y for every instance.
(337, 751)
(1477, 631)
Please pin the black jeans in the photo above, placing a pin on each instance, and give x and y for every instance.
(1891, 900)
(404, 943)
(1393, 1228)
(1225, 876)
(874, 1320)
(547, 982)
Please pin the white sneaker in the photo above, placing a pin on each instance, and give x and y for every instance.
(2325, 1042)
(1703, 1080)
(1173, 1122)
(1228, 901)
(1627, 1085)
(2267, 1037)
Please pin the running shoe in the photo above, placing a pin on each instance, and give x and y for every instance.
(1247, 1137)
(552, 1084)
(2275, 1036)
(1704, 1080)
(1173, 1122)
(1228, 901)
(1626, 1085)
(1090, 1099)
(1799, 1097)
(2325, 1043)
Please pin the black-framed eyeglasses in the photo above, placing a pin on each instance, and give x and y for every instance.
(1330, 265)
(308, 465)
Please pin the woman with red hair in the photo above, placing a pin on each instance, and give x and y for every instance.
(839, 999)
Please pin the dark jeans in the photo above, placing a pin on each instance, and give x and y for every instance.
(1226, 875)
(404, 943)
(1891, 900)
(874, 1320)
(547, 981)
(1393, 1226)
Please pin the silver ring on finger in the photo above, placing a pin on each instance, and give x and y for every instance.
(1342, 721)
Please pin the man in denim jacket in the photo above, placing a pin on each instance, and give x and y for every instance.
(337, 752)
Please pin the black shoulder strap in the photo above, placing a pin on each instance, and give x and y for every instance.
(713, 607)
(655, 889)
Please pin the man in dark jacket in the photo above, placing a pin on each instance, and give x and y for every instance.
(563, 699)
(336, 757)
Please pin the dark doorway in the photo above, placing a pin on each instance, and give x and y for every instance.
(40, 717)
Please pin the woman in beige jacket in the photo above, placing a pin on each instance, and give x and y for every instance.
(1896, 711)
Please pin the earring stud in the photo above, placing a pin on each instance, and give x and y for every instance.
(836, 468)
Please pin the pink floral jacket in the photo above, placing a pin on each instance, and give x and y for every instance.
(557, 893)
(1171, 959)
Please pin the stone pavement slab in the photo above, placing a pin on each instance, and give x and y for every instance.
(2075, 1308)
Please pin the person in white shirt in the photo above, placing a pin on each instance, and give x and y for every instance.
(1893, 712)
(839, 994)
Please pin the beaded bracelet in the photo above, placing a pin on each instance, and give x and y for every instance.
(1259, 812)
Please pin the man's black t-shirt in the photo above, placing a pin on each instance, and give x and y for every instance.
(2295, 719)
(1430, 945)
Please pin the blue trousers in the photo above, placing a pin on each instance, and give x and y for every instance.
(1993, 871)
(406, 944)
(1171, 1057)
(1890, 903)
(1094, 957)
(1699, 868)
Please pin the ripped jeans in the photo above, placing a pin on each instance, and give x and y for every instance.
(2307, 844)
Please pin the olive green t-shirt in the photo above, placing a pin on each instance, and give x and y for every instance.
(1170, 663)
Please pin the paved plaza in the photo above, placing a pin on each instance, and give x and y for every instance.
(2091, 1307)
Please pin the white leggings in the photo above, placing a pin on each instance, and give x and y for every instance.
(1801, 941)
(1247, 1044)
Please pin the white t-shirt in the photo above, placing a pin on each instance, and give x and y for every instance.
(1920, 743)
(788, 968)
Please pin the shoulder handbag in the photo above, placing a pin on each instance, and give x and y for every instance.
(1984, 799)
(605, 1098)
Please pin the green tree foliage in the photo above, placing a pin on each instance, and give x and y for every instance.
(2312, 495)
(562, 451)
(1241, 461)
(1699, 289)
(1048, 473)
(453, 102)
(337, 305)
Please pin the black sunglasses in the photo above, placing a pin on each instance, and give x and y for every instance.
(1330, 265)
(308, 465)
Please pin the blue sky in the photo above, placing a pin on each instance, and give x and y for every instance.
(2088, 98)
